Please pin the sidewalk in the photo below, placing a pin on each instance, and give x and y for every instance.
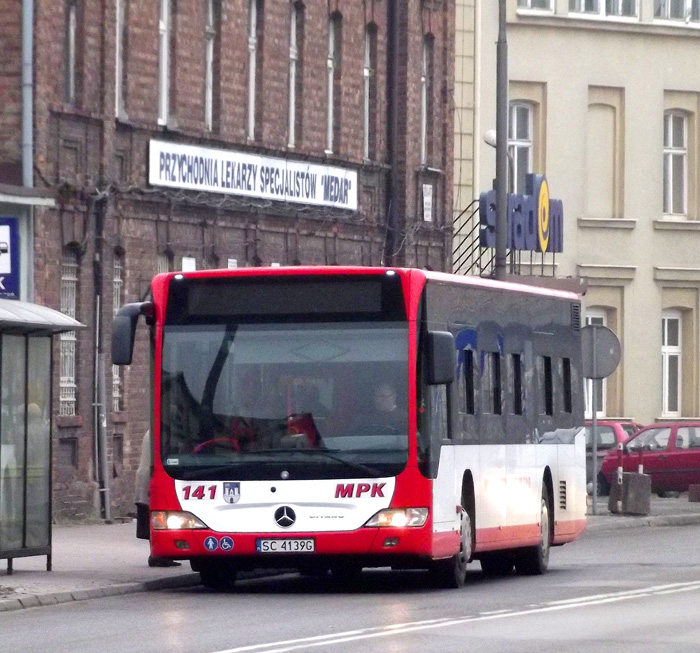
(99, 560)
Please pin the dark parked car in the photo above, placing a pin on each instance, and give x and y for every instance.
(610, 433)
(669, 452)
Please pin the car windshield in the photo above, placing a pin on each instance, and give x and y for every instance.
(630, 429)
(254, 401)
(606, 437)
(652, 440)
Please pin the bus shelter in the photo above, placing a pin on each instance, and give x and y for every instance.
(26, 332)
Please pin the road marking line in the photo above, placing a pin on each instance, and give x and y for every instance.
(415, 626)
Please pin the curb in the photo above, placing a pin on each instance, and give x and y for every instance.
(54, 598)
(637, 521)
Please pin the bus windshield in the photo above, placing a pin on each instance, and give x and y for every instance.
(271, 401)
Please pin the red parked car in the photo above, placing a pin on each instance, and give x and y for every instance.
(610, 433)
(669, 452)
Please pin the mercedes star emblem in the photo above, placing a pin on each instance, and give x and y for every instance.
(285, 516)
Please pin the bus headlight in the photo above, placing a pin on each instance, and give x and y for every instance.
(167, 520)
(399, 518)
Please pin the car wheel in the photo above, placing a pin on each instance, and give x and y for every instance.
(452, 573)
(603, 486)
(669, 494)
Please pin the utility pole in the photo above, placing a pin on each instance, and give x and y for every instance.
(501, 144)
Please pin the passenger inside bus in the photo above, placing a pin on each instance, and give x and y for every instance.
(385, 416)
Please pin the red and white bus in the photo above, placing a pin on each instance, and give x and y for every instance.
(270, 448)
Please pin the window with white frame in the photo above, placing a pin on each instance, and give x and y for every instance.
(519, 144)
(164, 263)
(535, 4)
(71, 51)
(333, 79)
(119, 57)
(426, 95)
(370, 90)
(164, 62)
(671, 363)
(675, 162)
(209, 39)
(685, 10)
(599, 318)
(68, 340)
(117, 301)
(604, 7)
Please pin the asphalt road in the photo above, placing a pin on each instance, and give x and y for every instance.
(628, 590)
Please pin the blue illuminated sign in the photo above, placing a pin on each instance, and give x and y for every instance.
(9, 258)
(535, 222)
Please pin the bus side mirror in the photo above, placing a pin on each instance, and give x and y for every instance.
(441, 357)
(124, 330)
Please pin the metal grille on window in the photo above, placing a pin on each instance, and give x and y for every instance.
(117, 300)
(68, 341)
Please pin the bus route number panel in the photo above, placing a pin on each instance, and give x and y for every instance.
(288, 545)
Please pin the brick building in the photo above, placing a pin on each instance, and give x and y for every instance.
(207, 134)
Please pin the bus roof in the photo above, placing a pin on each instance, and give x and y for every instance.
(443, 277)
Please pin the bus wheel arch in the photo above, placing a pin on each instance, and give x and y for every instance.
(468, 499)
(534, 560)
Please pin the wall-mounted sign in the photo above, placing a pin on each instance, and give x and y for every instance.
(250, 175)
(9, 258)
(535, 222)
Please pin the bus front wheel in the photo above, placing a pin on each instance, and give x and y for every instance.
(216, 575)
(452, 572)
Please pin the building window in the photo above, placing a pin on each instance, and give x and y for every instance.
(164, 62)
(120, 58)
(71, 51)
(604, 7)
(426, 98)
(117, 301)
(296, 86)
(164, 263)
(535, 4)
(519, 144)
(255, 36)
(68, 341)
(211, 68)
(600, 386)
(675, 162)
(677, 9)
(671, 363)
(333, 70)
(370, 92)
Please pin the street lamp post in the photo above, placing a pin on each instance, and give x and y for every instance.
(501, 143)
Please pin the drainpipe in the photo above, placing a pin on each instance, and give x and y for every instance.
(99, 410)
(27, 129)
(392, 129)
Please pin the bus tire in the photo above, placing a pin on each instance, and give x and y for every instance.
(533, 561)
(452, 572)
(496, 564)
(346, 573)
(218, 577)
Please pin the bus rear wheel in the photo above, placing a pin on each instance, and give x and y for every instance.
(534, 561)
(452, 572)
